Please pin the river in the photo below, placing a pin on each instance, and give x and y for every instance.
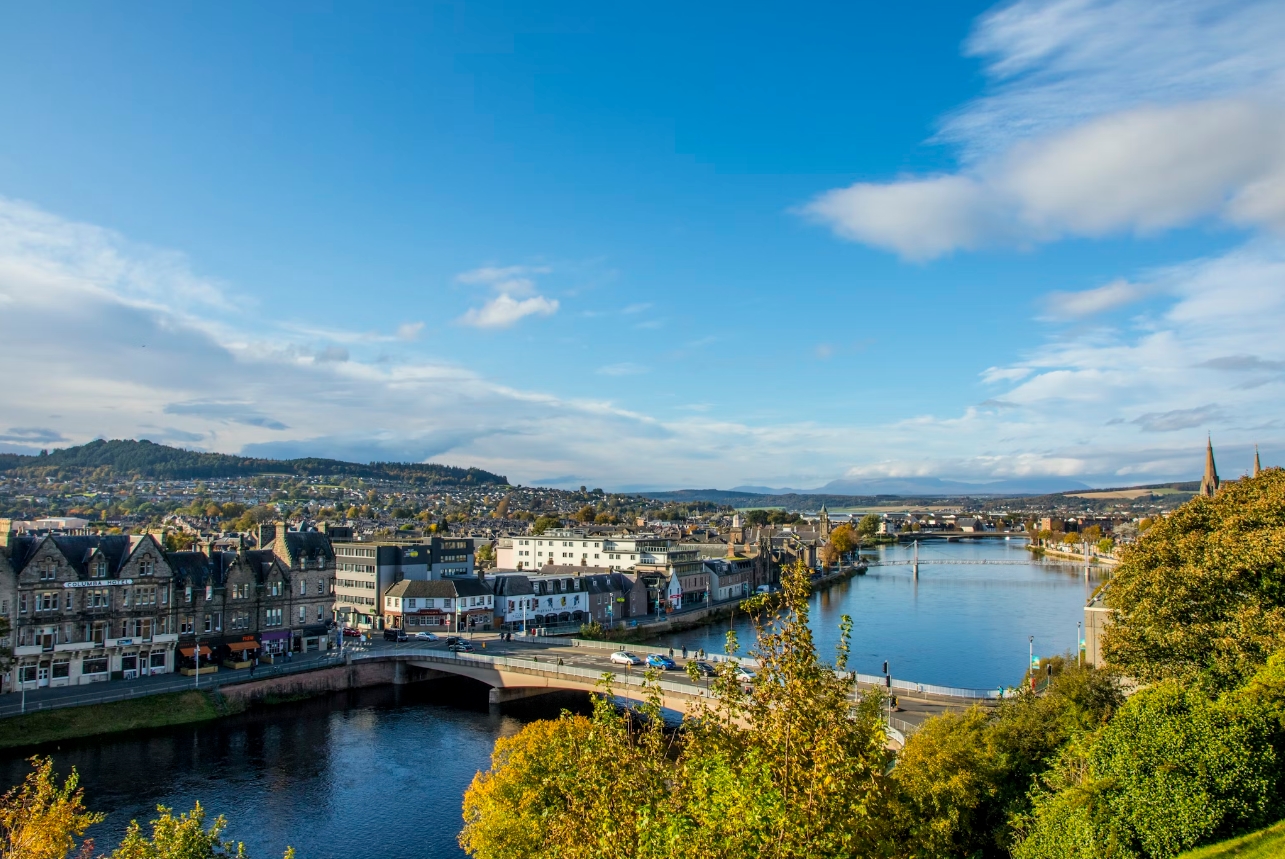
(963, 624)
(380, 772)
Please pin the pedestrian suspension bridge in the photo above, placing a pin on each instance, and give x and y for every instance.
(915, 561)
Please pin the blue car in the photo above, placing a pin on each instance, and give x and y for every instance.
(664, 663)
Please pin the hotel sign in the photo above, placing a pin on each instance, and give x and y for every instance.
(98, 583)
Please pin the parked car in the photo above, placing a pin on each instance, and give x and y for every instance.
(664, 663)
(763, 589)
(704, 669)
(460, 646)
(349, 632)
(425, 636)
(744, 675)
(624, 657)
(395, 635)
(453, 639)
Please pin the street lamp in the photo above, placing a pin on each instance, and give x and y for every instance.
(1030, 659)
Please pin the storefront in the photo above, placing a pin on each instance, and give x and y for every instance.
(312, 638)
(275, 643)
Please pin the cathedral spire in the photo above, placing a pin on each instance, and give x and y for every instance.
(1209, 483)
(1258, 466)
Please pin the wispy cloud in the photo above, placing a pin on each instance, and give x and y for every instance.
(1090, 302)
(32, 435)
(625, 368)
(1241, 364)
(503, 311)
(1179, 419)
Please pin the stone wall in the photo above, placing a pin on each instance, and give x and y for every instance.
(336, 679)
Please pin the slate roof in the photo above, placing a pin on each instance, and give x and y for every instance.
(76, 549)
(438, 588)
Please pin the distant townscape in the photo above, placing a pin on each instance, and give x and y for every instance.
(125, 559)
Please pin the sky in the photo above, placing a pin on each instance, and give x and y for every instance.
(679, 245)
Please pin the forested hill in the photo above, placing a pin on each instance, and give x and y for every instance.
(145, 459)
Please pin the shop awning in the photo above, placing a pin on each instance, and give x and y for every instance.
(238, 646)
(187, 651)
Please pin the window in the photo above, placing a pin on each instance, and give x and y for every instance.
(185, 625)
(275, 588)
(94, 666)
(303, 614)
(209, 624)
(48, 602)
(388, 602)
(99, 569)
(61, 668)
(187, 594)
(303, 587)
(320, 613)
(22, 604)
(272, 617)
(410, 602)
(320, 587)
(48, 571)
(147, 566)
(218, 621)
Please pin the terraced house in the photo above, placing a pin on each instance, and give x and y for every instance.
(86, 608)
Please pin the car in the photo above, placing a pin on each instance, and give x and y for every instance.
(744, 675)
(460, 646)
(763, 589)
(349, 632)
(704, 669)
(624, 657)
(453, 639)
(664, 663)
(395, 635)
(425, 636)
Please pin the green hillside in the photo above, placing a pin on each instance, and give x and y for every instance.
(145, 459)
(1266, 843)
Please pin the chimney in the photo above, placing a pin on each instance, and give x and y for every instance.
(267, 533)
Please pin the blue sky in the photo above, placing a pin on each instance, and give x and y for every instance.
(685, 245)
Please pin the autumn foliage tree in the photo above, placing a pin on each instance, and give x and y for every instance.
(1201, 597)
(790, 766)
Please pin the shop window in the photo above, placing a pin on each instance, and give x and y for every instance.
(27, 674)
(158, 659)
(94, 666)
(61, 668)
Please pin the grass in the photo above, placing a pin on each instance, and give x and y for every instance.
(153, 711)
(1266, 843)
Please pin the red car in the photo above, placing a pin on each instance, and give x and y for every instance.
(349, 632)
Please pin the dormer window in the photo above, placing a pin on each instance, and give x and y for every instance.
(98, 569)
(48, 571)
(147, 566)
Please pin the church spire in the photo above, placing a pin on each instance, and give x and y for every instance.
(1258, 466)
(1209, 483)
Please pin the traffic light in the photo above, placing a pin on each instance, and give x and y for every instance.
(885, 666)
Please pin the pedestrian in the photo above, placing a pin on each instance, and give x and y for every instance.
(671, 653)
(684, 651)
(253, 662)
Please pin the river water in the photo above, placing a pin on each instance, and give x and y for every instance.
(960, 624)
(380, 772)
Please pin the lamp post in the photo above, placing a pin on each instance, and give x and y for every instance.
(197, 652)
(1030, 658)
(1079, 644)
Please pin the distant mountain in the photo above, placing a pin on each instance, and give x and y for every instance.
(145, 459)
(937, 486)
(927, 486)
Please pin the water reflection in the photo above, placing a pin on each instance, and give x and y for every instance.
(373, 772)
(957, 624)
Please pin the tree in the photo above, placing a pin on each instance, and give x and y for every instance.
(605, 519)
(963, 778)
(544, 523)
(868, 526)
(843, 539)
(486, 552)
(1172, 770)
(757, 518)
(184, 837)
(1201, 596)
(586, 514)
(41, 820)
(786, 768)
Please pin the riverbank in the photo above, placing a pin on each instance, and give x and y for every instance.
(91, 720)
(699, 618)
(1044, 551)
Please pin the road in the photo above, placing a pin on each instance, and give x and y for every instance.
(543, 653)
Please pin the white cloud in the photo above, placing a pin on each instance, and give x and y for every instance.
(1090, 302)
(1103, 117)
(515, 298)
(504, 310)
